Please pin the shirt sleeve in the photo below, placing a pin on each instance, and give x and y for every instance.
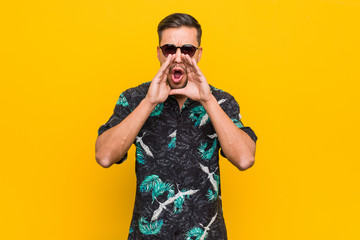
(232, 109)
(121, 111)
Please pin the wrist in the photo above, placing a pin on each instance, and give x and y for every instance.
(151, 104)
(209, 100)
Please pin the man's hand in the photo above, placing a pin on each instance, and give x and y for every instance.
(197, 87)
(159, 88)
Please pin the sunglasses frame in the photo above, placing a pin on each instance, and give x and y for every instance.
(172, 45)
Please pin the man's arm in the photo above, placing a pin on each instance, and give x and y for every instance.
(237, 146)
(113, 144)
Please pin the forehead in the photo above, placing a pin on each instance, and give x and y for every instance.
(179, 36)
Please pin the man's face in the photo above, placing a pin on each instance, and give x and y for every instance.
(177, 77)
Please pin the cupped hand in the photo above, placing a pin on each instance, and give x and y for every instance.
(197, 87)
(159, 88)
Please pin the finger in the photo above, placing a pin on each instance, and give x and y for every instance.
(185, 61)
(188, 59)
(168, 64)
(165, 66)
(188, 70)
(193, 64)
(183, 57)
(196, 66)
(181, 91)
(188, 63)
(163, 78)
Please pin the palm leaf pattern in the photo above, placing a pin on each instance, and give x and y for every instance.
(149, 183)
(237, 123)
(199, 116)
(207, 154)
(140, 158)
(162, 205)
(122, 101)
(149, 228)
(157, 110)
(171, 193)
(157, 187)
(198, 233)
(213, 195)
(215, 182)
(214, 88)
(143, 145)
(172, 143)
(194, 234)
(178, 203)
(161, 188)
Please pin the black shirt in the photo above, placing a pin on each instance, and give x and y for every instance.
(178, 193)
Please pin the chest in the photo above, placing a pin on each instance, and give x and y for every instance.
(175, 141)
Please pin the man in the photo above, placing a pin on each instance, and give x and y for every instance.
(178, 123)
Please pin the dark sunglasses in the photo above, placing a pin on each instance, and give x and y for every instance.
(185, 49)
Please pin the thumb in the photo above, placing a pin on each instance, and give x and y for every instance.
(181, 91)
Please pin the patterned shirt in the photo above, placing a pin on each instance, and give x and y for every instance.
(178, 193)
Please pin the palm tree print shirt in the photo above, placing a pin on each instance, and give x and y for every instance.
(178, 193)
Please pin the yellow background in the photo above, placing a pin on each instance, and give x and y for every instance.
(293, 66)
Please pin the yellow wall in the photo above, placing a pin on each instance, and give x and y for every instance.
(293, 66)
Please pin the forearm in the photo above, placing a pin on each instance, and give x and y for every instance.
(237, 146)
(113, 144)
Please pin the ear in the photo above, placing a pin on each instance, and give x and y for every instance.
(158, 52)
(199, 54)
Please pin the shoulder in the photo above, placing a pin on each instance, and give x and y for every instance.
(227, 102)
(138, 91)
(222, 96)
(133, 96)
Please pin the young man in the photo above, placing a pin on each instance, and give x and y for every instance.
(178, 123)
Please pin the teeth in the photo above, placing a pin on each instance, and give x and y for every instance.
(178, 70)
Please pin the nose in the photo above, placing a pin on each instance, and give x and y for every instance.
(178, 56)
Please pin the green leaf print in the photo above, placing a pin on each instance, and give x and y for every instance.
(172, 143)
(199, 116)
(237, 123)
(122, 101)
(150, 183)
(157, 110)
(195, 234)
(198, 233)
(149, 228)
(140, 158)
(207, 154)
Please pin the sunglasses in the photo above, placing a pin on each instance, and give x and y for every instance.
(185, 49)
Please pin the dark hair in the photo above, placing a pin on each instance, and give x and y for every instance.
(177, 20)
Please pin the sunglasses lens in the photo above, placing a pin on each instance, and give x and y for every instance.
(171, 49)
(188, 49)
(168, 49)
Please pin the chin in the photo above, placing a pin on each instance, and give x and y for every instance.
(179, 85)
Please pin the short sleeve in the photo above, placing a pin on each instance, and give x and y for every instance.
(121, 111)
(232, 109)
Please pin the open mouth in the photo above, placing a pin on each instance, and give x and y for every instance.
(177, 74)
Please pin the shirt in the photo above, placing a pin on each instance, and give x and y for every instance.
(178, 193)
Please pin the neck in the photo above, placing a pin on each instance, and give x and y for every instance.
(180, 99)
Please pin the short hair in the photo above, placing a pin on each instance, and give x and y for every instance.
(177, 20)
